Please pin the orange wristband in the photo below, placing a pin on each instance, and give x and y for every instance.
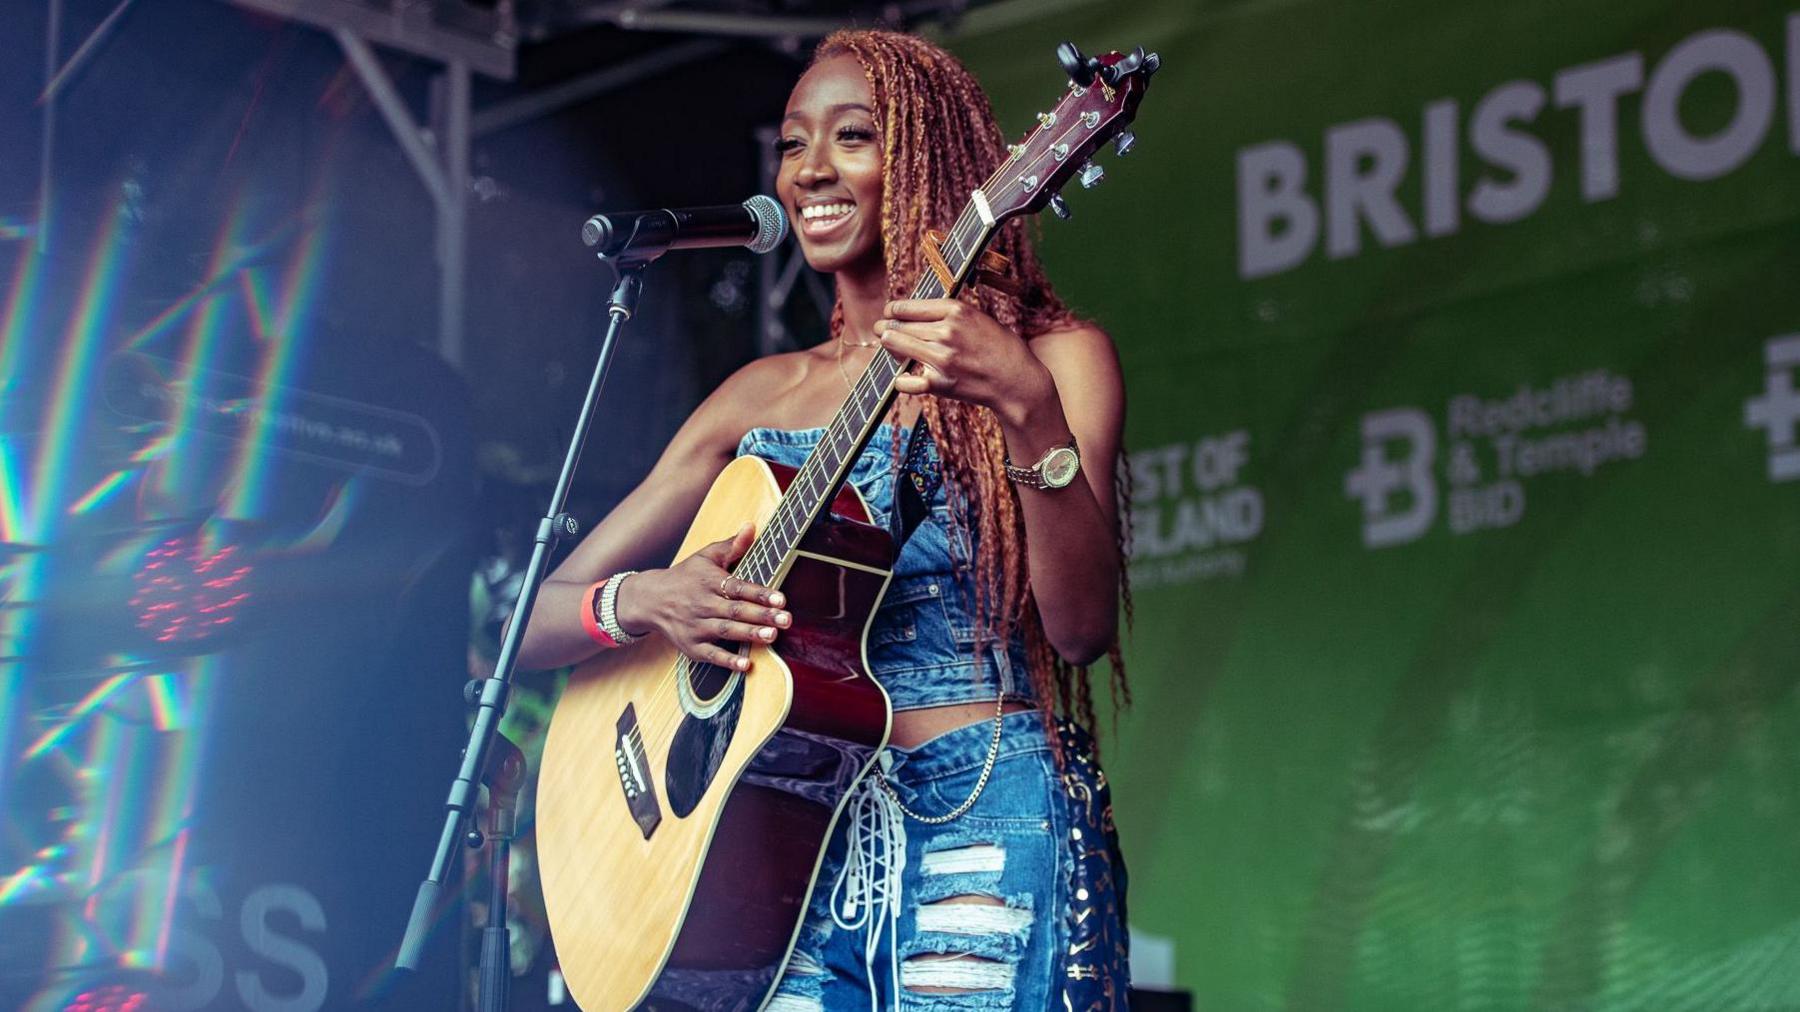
(590, 621)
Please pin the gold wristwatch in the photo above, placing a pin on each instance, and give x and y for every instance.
(1055, 469)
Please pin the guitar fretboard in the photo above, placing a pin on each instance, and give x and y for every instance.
(849, 433)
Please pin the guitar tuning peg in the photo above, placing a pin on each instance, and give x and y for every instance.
(1079, 68)
(1125, 142)
(1091, 175)
(1060, 207)
(1152, 63)
(1116, 71)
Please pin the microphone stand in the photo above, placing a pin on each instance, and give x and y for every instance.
(489, 694)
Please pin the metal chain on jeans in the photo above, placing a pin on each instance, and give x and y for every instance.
(987, 770)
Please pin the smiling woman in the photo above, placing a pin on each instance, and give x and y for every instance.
(980, 860)
(831, 167)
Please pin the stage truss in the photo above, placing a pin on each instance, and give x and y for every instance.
(464, 38)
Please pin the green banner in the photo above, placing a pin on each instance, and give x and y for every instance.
(1462, 345)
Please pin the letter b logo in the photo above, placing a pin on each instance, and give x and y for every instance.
(1379, 477)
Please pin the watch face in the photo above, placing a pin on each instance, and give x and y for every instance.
(1060, 466)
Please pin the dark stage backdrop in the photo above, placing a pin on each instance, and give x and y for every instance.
(1461, 346)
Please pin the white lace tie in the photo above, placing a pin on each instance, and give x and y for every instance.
(867, 892)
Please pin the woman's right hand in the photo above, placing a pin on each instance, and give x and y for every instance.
(697, 604)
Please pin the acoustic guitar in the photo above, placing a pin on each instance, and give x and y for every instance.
(683, 808)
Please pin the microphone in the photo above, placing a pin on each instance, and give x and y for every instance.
(758, 223)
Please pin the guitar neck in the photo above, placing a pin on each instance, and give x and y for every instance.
(850, 430)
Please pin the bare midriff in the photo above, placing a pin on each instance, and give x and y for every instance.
(913, 728)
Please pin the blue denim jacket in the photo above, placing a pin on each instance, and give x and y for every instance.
(922, 642)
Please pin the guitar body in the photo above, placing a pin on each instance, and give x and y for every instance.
(683, 809)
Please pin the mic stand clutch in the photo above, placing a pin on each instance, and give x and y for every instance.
(503, 782)
(491, 702)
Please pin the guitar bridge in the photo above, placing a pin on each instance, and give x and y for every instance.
(634, 776)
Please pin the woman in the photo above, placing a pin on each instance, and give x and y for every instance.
(980, 862)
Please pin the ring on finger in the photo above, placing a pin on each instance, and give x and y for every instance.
(723, 582)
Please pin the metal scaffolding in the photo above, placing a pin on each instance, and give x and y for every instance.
(468, 37)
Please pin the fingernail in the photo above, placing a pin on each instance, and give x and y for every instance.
(768, 634)
(776, 600)
(743, 664)
(782, 618)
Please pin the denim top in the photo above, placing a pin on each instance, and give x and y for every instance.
(922, 642)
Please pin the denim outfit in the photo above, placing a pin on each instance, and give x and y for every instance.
(1039, 840)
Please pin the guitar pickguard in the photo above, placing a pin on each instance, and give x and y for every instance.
(698, 749)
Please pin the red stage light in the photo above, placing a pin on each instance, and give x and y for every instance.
(111, 998)
(186, 591)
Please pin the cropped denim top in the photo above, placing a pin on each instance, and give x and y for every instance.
(921, 645)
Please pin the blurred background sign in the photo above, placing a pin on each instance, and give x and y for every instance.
(1462, 391)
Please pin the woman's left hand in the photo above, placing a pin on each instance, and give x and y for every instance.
(966, 354)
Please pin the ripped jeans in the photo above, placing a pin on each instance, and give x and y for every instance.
(1016, 904)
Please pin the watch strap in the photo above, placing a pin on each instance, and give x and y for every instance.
(1033, 476)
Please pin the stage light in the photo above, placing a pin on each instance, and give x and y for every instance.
(187, 590)
(112, 998)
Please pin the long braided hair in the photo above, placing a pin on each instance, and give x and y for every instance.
(940, 141)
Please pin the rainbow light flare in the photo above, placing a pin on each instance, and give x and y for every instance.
(180, 703)
(139, 779)
(101, 492)
(183, 472)
(131, 749)
(20, 318)
(21, 313)
(28, 506)
(227, 268)
(77, 715)
(128, 753)
(258, 300)
(331, 520)
(74, 384)
(12, 494)
(295, 301)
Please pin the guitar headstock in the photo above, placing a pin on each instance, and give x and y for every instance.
(1101, 101)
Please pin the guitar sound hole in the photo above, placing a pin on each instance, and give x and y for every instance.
(708, 680)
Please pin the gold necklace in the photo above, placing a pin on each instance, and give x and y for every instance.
(842, 344)
(859, 344)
